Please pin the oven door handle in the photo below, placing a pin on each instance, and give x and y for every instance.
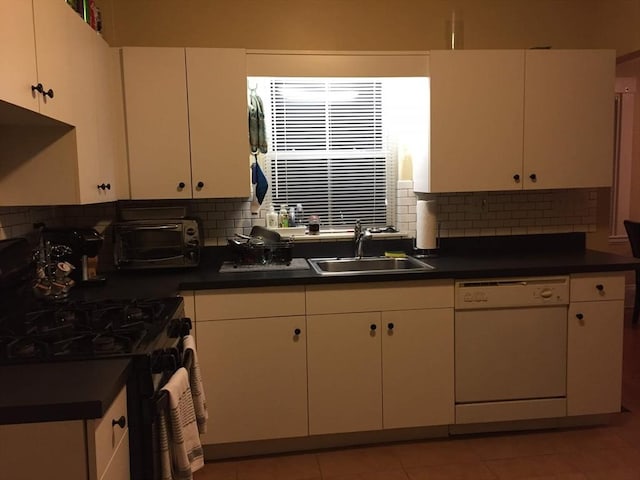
(151, 227)
(150, 260)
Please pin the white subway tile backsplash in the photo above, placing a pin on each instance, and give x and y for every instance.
(459, 214)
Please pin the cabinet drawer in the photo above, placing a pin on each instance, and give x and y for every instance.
(249, 303)
(379, 297)
(599, 286)
(105, 437)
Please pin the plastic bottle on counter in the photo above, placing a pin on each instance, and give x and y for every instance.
(283, 217)
(293, 221)
(272, 218)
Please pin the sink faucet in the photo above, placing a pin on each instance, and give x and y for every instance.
(359, 236)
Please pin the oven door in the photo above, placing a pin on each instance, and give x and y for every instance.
(149, 245)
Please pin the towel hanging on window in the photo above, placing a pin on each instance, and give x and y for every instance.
(257, 130)
(259, 180)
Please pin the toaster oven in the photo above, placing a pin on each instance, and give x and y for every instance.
(158, 243)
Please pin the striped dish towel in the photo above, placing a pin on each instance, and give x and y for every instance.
(195, 381)
(180, 449)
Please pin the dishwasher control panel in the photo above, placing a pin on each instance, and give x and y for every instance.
(511, 292)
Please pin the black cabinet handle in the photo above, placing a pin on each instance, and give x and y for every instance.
(181, 185)
(297, 332)
(533, 177)
(579, 316)
(48, 93)
(200, 185)
(121, 422)
(600, 287)
(104, 186)
(373, 327)
(37, 88)
(390, 326)
(516, 177)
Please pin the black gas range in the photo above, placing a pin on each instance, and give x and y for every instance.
(81, 330)
(148, 331)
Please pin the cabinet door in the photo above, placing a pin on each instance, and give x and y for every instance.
(255, 378)
(155, 90)
(17, 54)
(417, 368)
(568, 126)
(476, 120)
(345, 384)
(217, 86)
(118, 468)
(594, 357)
(58, 50)
(51, 450)
(86, 94)
(110, 153)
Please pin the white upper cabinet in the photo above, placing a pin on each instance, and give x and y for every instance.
(568, 118)
(61, 53)
(515, 119)
(186, 122)
(476, 119)
(18, 54)
(68, 154)
(217, 86)
(155, 90)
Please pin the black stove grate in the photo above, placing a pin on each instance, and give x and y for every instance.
(85, 329)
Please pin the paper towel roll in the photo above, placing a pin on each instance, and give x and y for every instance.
(426, 225)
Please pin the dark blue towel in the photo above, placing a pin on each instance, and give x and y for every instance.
(260, 181)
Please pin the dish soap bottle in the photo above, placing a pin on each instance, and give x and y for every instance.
(272, 218)
(283, 217)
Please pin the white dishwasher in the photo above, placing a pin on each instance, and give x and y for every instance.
(510, 349)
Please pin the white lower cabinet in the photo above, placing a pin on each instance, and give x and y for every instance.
(594, 350)
(345, 381)
(69, 450)
(388, 363)
(253, 358)
(255, 375)
(282, 362)
(417, 345)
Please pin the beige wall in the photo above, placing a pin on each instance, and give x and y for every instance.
(371, 24)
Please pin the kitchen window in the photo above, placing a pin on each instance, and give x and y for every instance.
(334, 143)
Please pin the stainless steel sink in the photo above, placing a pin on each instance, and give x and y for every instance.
(367, 265)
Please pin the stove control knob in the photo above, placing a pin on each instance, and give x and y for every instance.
(191, 231)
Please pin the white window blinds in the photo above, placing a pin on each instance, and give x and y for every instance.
(327, 148)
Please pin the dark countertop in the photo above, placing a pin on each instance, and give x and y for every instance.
(456, 266)
(46, 392)
(72, 390)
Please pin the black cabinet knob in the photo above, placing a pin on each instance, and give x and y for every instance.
(37, 88)
(600, 287)
(48, 93)
(104, 186)
(390, 326)
(200, 185)
(373, 327)
(121, 422)
(181, 185)
(516, 177)
(579, 316)
(533, 177)
(297, 332)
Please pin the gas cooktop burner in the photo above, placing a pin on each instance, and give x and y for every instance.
(84, 329)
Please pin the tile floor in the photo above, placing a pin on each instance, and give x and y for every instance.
(610, 452)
